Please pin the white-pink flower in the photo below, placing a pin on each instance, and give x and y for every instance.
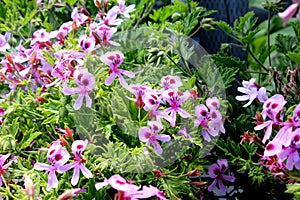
(78, 147)
(150, 136)
(86, 83)
(114, 60)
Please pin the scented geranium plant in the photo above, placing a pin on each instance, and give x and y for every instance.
(114, 100)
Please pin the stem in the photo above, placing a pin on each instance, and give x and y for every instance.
(256, 59)
(269, 49)
(196, 31)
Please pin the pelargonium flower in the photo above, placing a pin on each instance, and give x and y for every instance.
(251, 91)
(175, 99)
(139, 91)
(87, 44)
(78, 147)
(122, 9)
(211, 121)
(111, 18)
(78, 18)
(217, 172)
(114, 60)
(127, 190)
(290, 12)
(150, 135)
(4, 41)
(104, 33)
(57, 156)
(69, 194)
(183, 132)
(3, 167)
(271, 108)
(29, 187)
(86, 83)
(171, 82)
(290, 153)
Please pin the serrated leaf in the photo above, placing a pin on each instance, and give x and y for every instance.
(225, 27)
(284, 43)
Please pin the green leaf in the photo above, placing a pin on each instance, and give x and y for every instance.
(295, 57)
(284, 43)
(71, 2)
(28, 138)
(225, 27)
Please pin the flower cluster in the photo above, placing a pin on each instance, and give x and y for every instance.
(281, 151)
(51, 61)
(211, 121)
(58, 156)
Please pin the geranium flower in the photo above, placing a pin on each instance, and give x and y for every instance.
(78, 147)
(3, 167)
(29, 187)
(150, 135)
(111, 18)
(290, 153)
(87, 44)
(251, 91)
(122, 9)
(183, 132)
(217, 172)
(104, 33)
(69, 194)
(78, 18)
(139, 91)
(210, 121)
(86, 83)
(290, 12)
(127, 190)
(171, 82)
(57, 156)
(4, 41)
(114, 60)
(271, 108)
(175, 99)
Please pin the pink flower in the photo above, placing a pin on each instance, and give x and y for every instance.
(290, 153)
(139, 92)
(29, 187)
(272, 108)
(123, 10)
(251, 91)
(290, 12)
(171, 82)
(183, 132)
(86, 83)
(211, 121)
(213, 103)
(78, 18)
(114, 60)
(69, 194)
(103, 35)
(175, 99)
(111, 18)
(78, 147)
(217, 172)
(3, 167)
(150, 136)
(4, 41)
(87, 44)
(57, 156)
(127, 190)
